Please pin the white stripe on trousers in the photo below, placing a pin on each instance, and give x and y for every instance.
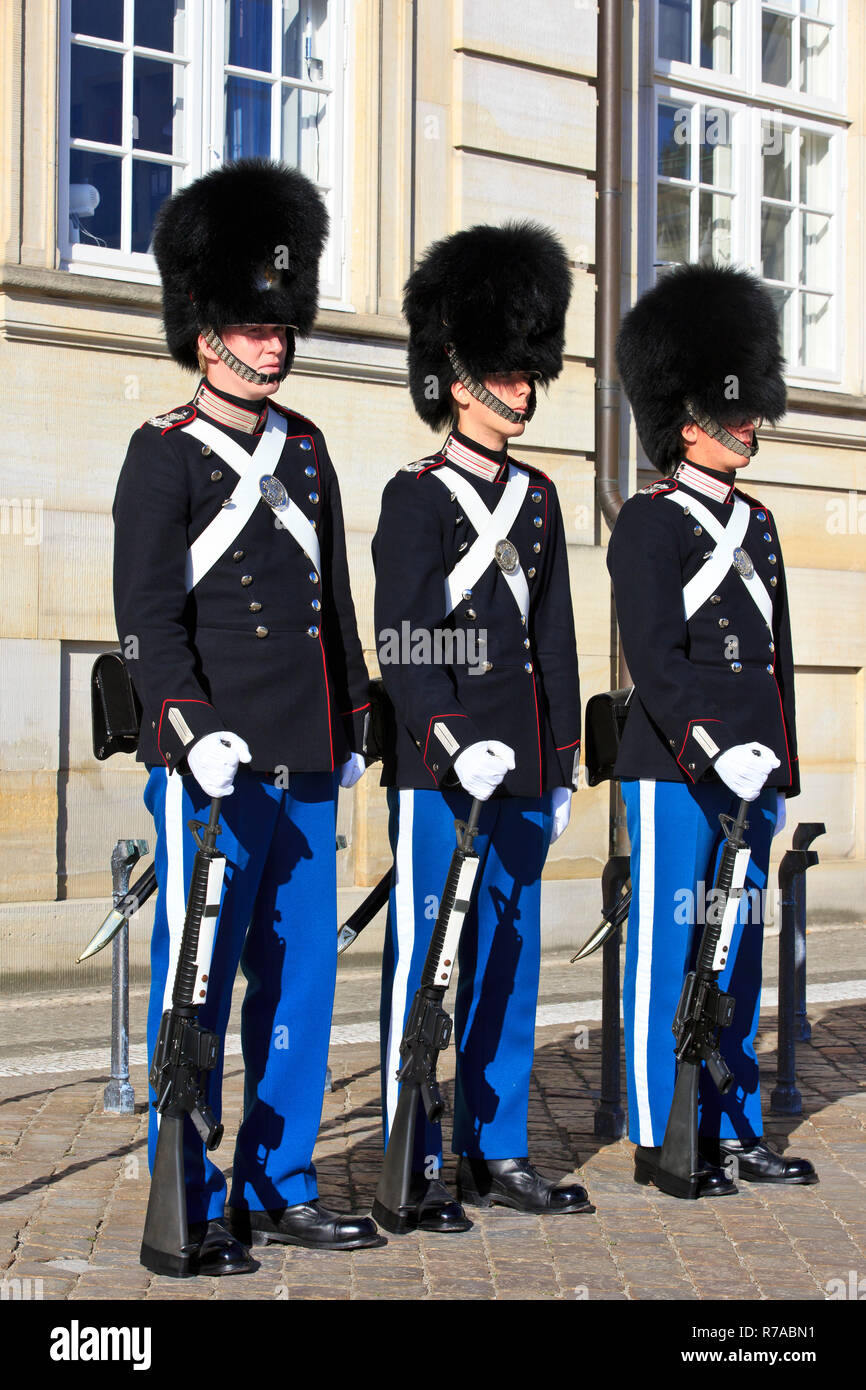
(175, 898)
(643, 974)
(404, 929)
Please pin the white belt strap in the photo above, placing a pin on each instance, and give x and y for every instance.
(713, 571)
(491, 527)
(216, 538)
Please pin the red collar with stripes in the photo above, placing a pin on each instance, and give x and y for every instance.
(247, 419)
(709, 484)
(469, 460)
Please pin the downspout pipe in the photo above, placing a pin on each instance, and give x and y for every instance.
(608, 256)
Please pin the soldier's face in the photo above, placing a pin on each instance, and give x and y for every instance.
(701, 448)
(261, 346)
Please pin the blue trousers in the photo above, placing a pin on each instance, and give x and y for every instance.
(676, 842)
(278, 920)
(498, 963)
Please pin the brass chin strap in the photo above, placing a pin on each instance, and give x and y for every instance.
(240, 368)
(486, 397)
(717, 431)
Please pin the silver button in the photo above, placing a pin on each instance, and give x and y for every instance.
(216, 475)
(771, 559)
(723, 622)
(761, 516)
(462, 546)
(467, 593)
(770, 669)
(528, 666)
(699, 530)
(310, 471)
(536, 548)
(691, 767)
(313, 577)
(238, 555)
(522, 621)
(261, 632)
(526, 642)
(715, 598)
(772, 646)
(708, 554)
(532, 572)
(246, 579)
(767, 536)
(537, 521)
(457, 520)
(206, 450)
(687, 511)
(453, 496)
(255, 608)
(227, 502)
(315, 605)
(736, 666)
(470, 613)
(488, 666)
(773, 581)
(305, 444)
(312, 632)
(536, 496)
(313, 496)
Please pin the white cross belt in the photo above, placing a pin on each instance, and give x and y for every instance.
(490, 527)
(712, 572)
(227, 525)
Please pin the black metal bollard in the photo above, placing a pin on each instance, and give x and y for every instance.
(119, 1097)
(793, 1025)
(610, 1117)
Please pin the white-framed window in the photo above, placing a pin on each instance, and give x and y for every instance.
(743, 157)
(154, 93)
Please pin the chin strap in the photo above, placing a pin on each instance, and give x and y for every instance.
(241, 369)
(481, 393)
(717, 431)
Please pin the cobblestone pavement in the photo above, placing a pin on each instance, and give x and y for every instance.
(73, 1191)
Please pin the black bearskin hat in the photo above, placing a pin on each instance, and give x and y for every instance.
(498, 295)
(240, 245)
(708, 334)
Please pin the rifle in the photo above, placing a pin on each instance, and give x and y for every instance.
(184, 1052)
(703, 1011)
(427, 1032)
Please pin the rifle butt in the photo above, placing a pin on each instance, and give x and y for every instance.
(677, 1173)
(390, 1207)
(165, 1241)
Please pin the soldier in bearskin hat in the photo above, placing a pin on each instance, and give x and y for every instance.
(703, 613)
(234, 609)
(476, 646)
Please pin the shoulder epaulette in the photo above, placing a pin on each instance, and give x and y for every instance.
(293, 415)
(657, 489)
(421, 465)
(170, 421)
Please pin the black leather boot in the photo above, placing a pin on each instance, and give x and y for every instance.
(713, 1181)
(309, 1225)
(513, 1182)
(757, 1162)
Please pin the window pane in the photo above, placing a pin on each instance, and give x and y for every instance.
(716, 35)
(96, 95)
(716, 146)
(94, 178)
(816, 261)
(248, 119)
(672, 240)
(674, 134)
(304, 131)
(154, 105)
(819, 9)
(783, 300)
(293, 40)
(151, 183)
(160, 24)
(816, 170)
(816, 345)
(102, 19)
(815, 56)
(675, 27)
(248, 34)
(775, 257)
(776, 50)
(776, 146)
(714, 228)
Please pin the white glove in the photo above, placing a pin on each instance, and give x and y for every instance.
(561, 811)
(481, 767)
(352, 770)
(213, 762)
(745, 768)
(781, 814)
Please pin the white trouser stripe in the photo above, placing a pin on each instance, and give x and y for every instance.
(175, 899)
(643, 976)
(404, 927)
